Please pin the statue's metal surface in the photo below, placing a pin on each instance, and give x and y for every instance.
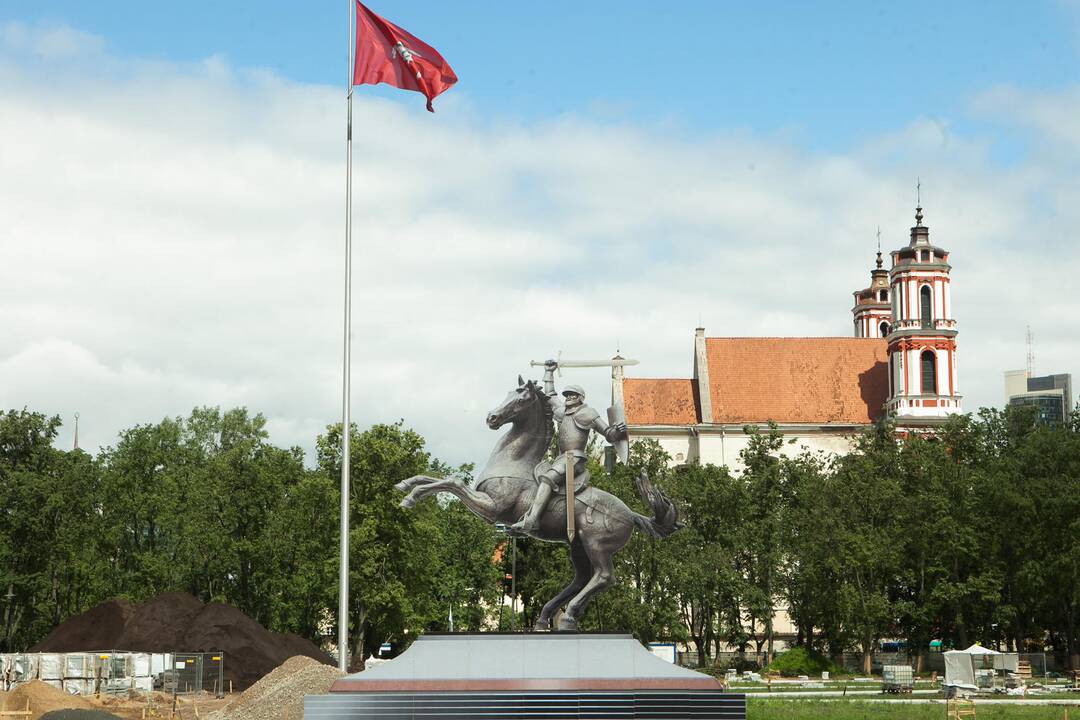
(518, 487)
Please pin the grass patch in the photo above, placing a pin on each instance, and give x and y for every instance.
(856, 710)
(833, 686)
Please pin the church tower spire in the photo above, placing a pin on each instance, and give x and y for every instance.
(872, 310)
(922, 338)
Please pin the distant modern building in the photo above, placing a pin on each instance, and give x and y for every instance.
(1051, 394)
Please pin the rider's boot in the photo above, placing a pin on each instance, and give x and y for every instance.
(529, 523)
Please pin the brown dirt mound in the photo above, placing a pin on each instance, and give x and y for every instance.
(44, 698)
(281, 693)
(179, 622)
(158, 624)
(100, 625)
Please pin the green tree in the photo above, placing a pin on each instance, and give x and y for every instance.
(761, 558)
(705, 578)
(643, 599)
(864, 494)
(392, 551)
(49, 519)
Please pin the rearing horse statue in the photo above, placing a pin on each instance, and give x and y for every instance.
(505, 488)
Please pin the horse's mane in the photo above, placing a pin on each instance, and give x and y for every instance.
(549, 412)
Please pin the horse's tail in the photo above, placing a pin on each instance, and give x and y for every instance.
(665, 516)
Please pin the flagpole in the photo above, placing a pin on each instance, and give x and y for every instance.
(343, 589)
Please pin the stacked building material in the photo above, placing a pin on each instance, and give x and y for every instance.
(16, 668)
(88, 673)
(51, 669)
(79, 669)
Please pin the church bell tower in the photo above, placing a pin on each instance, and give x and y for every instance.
(922, 333)
(872, 311)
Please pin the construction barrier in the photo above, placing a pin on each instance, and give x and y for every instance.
(116, 672)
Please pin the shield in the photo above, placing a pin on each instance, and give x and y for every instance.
(615, 414)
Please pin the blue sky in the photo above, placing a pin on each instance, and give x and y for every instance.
(604, 175)
(826, 74)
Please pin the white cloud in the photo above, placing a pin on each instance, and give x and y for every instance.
(49, 42)
(172, 236)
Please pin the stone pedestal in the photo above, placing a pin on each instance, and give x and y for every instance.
(544, 676)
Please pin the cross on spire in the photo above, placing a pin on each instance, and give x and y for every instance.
(918, 202)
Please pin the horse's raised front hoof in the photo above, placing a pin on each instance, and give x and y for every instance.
(567, 624)
(408, 502)
(405, 485)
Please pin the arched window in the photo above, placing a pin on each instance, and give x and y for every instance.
(884, 328)
(929, 372)
(925, 307)
(883, 296)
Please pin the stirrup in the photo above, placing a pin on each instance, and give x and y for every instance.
(523, 527)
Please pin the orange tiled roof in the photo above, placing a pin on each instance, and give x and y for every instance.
(797, 380)
(660, 402)
(788, 380)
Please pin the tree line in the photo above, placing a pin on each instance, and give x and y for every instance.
(205, 504)
(969, 534)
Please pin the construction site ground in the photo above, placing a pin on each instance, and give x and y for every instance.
(45, 698)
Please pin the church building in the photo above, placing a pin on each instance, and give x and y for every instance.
(820, 391)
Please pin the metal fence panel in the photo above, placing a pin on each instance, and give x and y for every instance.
(213, 674)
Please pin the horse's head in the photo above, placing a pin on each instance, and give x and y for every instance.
(517, 401)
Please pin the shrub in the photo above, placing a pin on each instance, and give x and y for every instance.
(800, 661)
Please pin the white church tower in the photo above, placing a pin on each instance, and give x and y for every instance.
(922, 333)
(872, 310)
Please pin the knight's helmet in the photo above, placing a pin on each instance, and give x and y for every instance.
(576, 389)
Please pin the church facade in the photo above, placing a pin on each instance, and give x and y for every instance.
(901, 360)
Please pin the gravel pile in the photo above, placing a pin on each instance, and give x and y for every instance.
(179, 622)
(280, 694)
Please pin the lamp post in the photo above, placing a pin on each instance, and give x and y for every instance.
(501, 529)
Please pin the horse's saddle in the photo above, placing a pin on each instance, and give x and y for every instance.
(581, 479)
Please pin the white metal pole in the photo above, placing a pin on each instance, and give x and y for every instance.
(513, 582)
(343, 590)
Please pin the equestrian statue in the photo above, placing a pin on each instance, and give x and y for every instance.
(518, 487)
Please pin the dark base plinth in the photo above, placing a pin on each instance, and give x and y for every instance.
(557, 676)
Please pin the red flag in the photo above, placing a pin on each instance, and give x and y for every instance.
(387, 54)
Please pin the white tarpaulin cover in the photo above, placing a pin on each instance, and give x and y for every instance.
(78, 665)
(959, 671)
(159, 662)
(51, 666)
(1009, 662)
(978, 649)
(79, 687)
(140, 665)
(24, 667)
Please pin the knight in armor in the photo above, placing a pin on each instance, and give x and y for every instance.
(575, 420)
